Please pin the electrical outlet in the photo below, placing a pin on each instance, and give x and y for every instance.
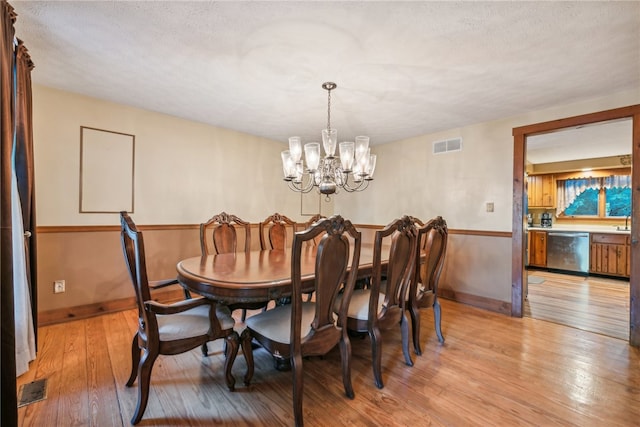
(58, 287)
(489, 206)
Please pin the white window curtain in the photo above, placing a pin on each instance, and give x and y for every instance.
(617, 181)
(569, 189)
(25, 336)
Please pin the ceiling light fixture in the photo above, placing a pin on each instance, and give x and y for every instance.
(352, 171)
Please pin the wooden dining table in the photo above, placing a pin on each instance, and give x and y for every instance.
(256, 276)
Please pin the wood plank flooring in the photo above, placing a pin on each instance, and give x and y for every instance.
(492, 370)
(594, 304)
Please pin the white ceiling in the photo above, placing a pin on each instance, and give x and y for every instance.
(402, 68)
(602, 139)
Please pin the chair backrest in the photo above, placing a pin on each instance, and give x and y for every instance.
(219, 236)
(433, 238)
(334, 255)
(402, 252)
(273, 231)
(309, 223)
(133, 248)
(315, 218)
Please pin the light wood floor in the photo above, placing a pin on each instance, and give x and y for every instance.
(492, 370)
(594, 304)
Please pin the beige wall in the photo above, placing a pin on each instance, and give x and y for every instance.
(186, 171)
(457, 185)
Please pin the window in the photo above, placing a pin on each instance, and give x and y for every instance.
(586, 203)
(617, 201)
(605, 197)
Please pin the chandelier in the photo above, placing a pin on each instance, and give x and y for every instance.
(351, 171)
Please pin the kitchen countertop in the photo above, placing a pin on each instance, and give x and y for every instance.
(583, 228)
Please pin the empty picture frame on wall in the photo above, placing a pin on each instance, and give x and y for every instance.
(310, 203)
(106, 171)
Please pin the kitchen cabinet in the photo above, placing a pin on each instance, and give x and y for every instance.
(541, 191)
(537, 248)
(610, 254)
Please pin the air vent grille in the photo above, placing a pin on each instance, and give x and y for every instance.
(448, 145)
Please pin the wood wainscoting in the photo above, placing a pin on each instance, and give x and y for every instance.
(90, 259)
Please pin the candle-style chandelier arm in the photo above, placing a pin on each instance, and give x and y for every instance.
(351, 169)
(299, 187)
(356, 186)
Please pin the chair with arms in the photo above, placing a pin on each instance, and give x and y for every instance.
(273, 231)
(423, 292)
(370, 309)
(309, 223)
(170, 329)
(305, 328)
(313, 242)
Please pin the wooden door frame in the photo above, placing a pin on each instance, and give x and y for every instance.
(519, 155)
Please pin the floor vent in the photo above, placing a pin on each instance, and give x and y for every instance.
(34, 391)
(448, 145)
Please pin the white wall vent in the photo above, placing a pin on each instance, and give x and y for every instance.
(453, 144)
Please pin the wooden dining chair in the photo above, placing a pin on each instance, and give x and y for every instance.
(313, 242)
(423, 292)
(171, 329)
(274, 231)
(305, 328)
(219, 235)
(371, 310)
(303, 226)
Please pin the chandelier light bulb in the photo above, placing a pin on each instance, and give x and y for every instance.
(295, 148)
(372, 166)
(347, 153)
(329, 141)
(362, 145)
(312, 155)
(288, 165)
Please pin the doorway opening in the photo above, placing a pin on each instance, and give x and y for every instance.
(519, 225)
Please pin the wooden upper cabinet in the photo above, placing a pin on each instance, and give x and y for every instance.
(541, 191)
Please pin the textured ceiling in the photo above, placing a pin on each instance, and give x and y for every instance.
(402, 68)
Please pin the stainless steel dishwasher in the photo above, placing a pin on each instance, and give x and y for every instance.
(568, 251)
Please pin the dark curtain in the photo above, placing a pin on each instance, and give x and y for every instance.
(24, 167)
(9, 401)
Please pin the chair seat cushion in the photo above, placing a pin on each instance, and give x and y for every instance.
(359, 305)
(191, 323)
(275, 324)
